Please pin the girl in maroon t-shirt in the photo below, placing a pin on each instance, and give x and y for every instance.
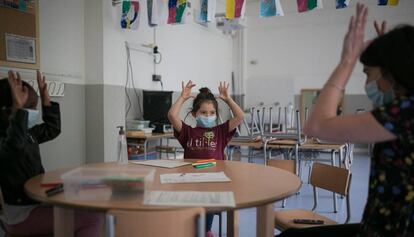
(208, 139)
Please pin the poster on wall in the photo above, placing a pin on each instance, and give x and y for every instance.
(20, 48)
(130, 15)
(27, 6)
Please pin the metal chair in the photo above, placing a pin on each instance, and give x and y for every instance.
(323, 176)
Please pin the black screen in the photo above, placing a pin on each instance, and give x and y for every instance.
(156, 105)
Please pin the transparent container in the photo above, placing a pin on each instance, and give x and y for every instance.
(92, 183)
(133, 125)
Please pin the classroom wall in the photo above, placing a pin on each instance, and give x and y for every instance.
(62, 59)
(189, 51)
(306, 47)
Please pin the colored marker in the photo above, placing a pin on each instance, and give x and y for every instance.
(204, 165)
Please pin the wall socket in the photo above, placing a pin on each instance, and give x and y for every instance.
(156, 77)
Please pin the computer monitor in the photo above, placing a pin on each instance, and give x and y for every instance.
(156, 105)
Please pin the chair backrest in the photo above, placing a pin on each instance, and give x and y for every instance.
(185, 222)
(331, 178)
(288, 165)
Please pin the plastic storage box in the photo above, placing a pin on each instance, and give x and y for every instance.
(133, 125)
(90, 183)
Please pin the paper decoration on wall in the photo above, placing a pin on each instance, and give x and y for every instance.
(149, 13)
(176, 10)
(235, 9)
(159, 13)
(342, 4)
(388, 2)
(307, 5)
(207, 10)
(130, 15)
(271, 8)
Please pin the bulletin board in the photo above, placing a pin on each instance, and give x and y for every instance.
(19, 34)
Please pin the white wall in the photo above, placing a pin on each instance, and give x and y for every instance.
(189, 52)
(306, 47)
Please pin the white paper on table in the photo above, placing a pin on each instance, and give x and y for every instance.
(162, 163)
(211, 177)
(190, 198)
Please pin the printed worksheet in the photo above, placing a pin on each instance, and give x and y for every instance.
(190, 198)
(211, 177)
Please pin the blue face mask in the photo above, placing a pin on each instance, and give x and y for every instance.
(32, 117)
(206, 121)
(378, 97)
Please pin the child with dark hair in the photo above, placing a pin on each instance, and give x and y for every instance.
(20, 136)
(208, 139)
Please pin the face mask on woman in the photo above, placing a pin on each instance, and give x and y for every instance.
(206, 121)
(378, 97)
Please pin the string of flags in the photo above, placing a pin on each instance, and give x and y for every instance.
(162, 12)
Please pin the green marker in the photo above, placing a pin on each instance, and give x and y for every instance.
(204, 165)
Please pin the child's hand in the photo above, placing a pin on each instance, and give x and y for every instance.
(44, 94)
(20, 93)
(223, 90)
(186, 90)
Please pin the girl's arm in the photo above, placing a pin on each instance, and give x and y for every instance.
(173, 113)
(323, 121)
(237, 111)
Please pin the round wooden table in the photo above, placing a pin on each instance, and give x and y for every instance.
(253, 186)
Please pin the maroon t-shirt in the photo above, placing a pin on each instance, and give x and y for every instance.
(204, 143)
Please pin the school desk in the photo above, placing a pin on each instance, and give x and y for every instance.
(253, 186)
(146, 137)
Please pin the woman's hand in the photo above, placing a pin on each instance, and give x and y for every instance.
(354, 38)
(186, 90)
(19, 92)
(44, 94)
(224, 91)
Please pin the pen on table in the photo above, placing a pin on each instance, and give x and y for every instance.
(182, 174)
(55, 190)
(204, 161)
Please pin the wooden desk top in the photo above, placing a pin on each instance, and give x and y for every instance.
(253, 185)
(308, 145)
(140, 135)
(254, 144)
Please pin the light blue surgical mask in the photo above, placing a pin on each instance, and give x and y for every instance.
(206, 121)
(378, 97)
(32, 117)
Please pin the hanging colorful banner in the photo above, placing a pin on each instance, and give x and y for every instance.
(270, 8)
(207, 10)
(159, 12)
(388, 2)
(235, 9)
(307, 5)
(342, 4)
(129, 17)
(149, 11)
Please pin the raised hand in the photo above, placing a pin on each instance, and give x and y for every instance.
(19, 92)
(44, 94)
(354, 38)
(224, 90)
(186, 90)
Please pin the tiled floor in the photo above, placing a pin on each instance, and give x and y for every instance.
(358, 195)
(359, 187)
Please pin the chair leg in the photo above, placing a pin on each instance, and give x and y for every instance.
(220, 224)
(284, 203)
